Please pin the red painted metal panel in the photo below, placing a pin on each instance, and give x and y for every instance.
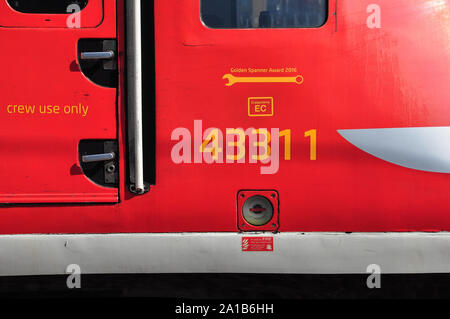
(354, 77)
(47, 107)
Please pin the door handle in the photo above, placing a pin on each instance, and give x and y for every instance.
(98, 157)
(135, 91)
(103, 55)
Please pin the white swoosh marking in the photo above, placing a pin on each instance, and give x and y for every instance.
(421, 148)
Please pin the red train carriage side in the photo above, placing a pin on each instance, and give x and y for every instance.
(213, 136)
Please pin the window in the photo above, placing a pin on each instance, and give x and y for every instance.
(245, 14)
(45, 6)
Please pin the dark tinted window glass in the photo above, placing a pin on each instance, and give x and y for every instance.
(244, 14)
(45, 6)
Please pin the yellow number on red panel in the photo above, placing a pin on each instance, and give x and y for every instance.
(239, 144)
(264, 144)
(287, 144)
(214, 149)
(312, 134)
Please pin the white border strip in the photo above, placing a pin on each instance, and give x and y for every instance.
(302, 253)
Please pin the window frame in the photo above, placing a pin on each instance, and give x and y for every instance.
(327, 18)
(92, 17)
(45, 12)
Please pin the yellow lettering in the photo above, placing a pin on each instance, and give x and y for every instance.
(312, 134)
(264, 144)
(31, 109)
(85, 110)
(214, 149)
(239, 144)
(287, 144)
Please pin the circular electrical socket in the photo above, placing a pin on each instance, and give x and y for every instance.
(257, 210)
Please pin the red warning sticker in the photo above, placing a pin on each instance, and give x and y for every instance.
(257, 243)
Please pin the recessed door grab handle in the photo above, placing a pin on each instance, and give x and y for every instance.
(105, 55)
(98, 157)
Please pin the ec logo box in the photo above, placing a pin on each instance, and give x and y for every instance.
(260, 106)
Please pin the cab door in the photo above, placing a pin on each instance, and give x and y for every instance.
(58, 101)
